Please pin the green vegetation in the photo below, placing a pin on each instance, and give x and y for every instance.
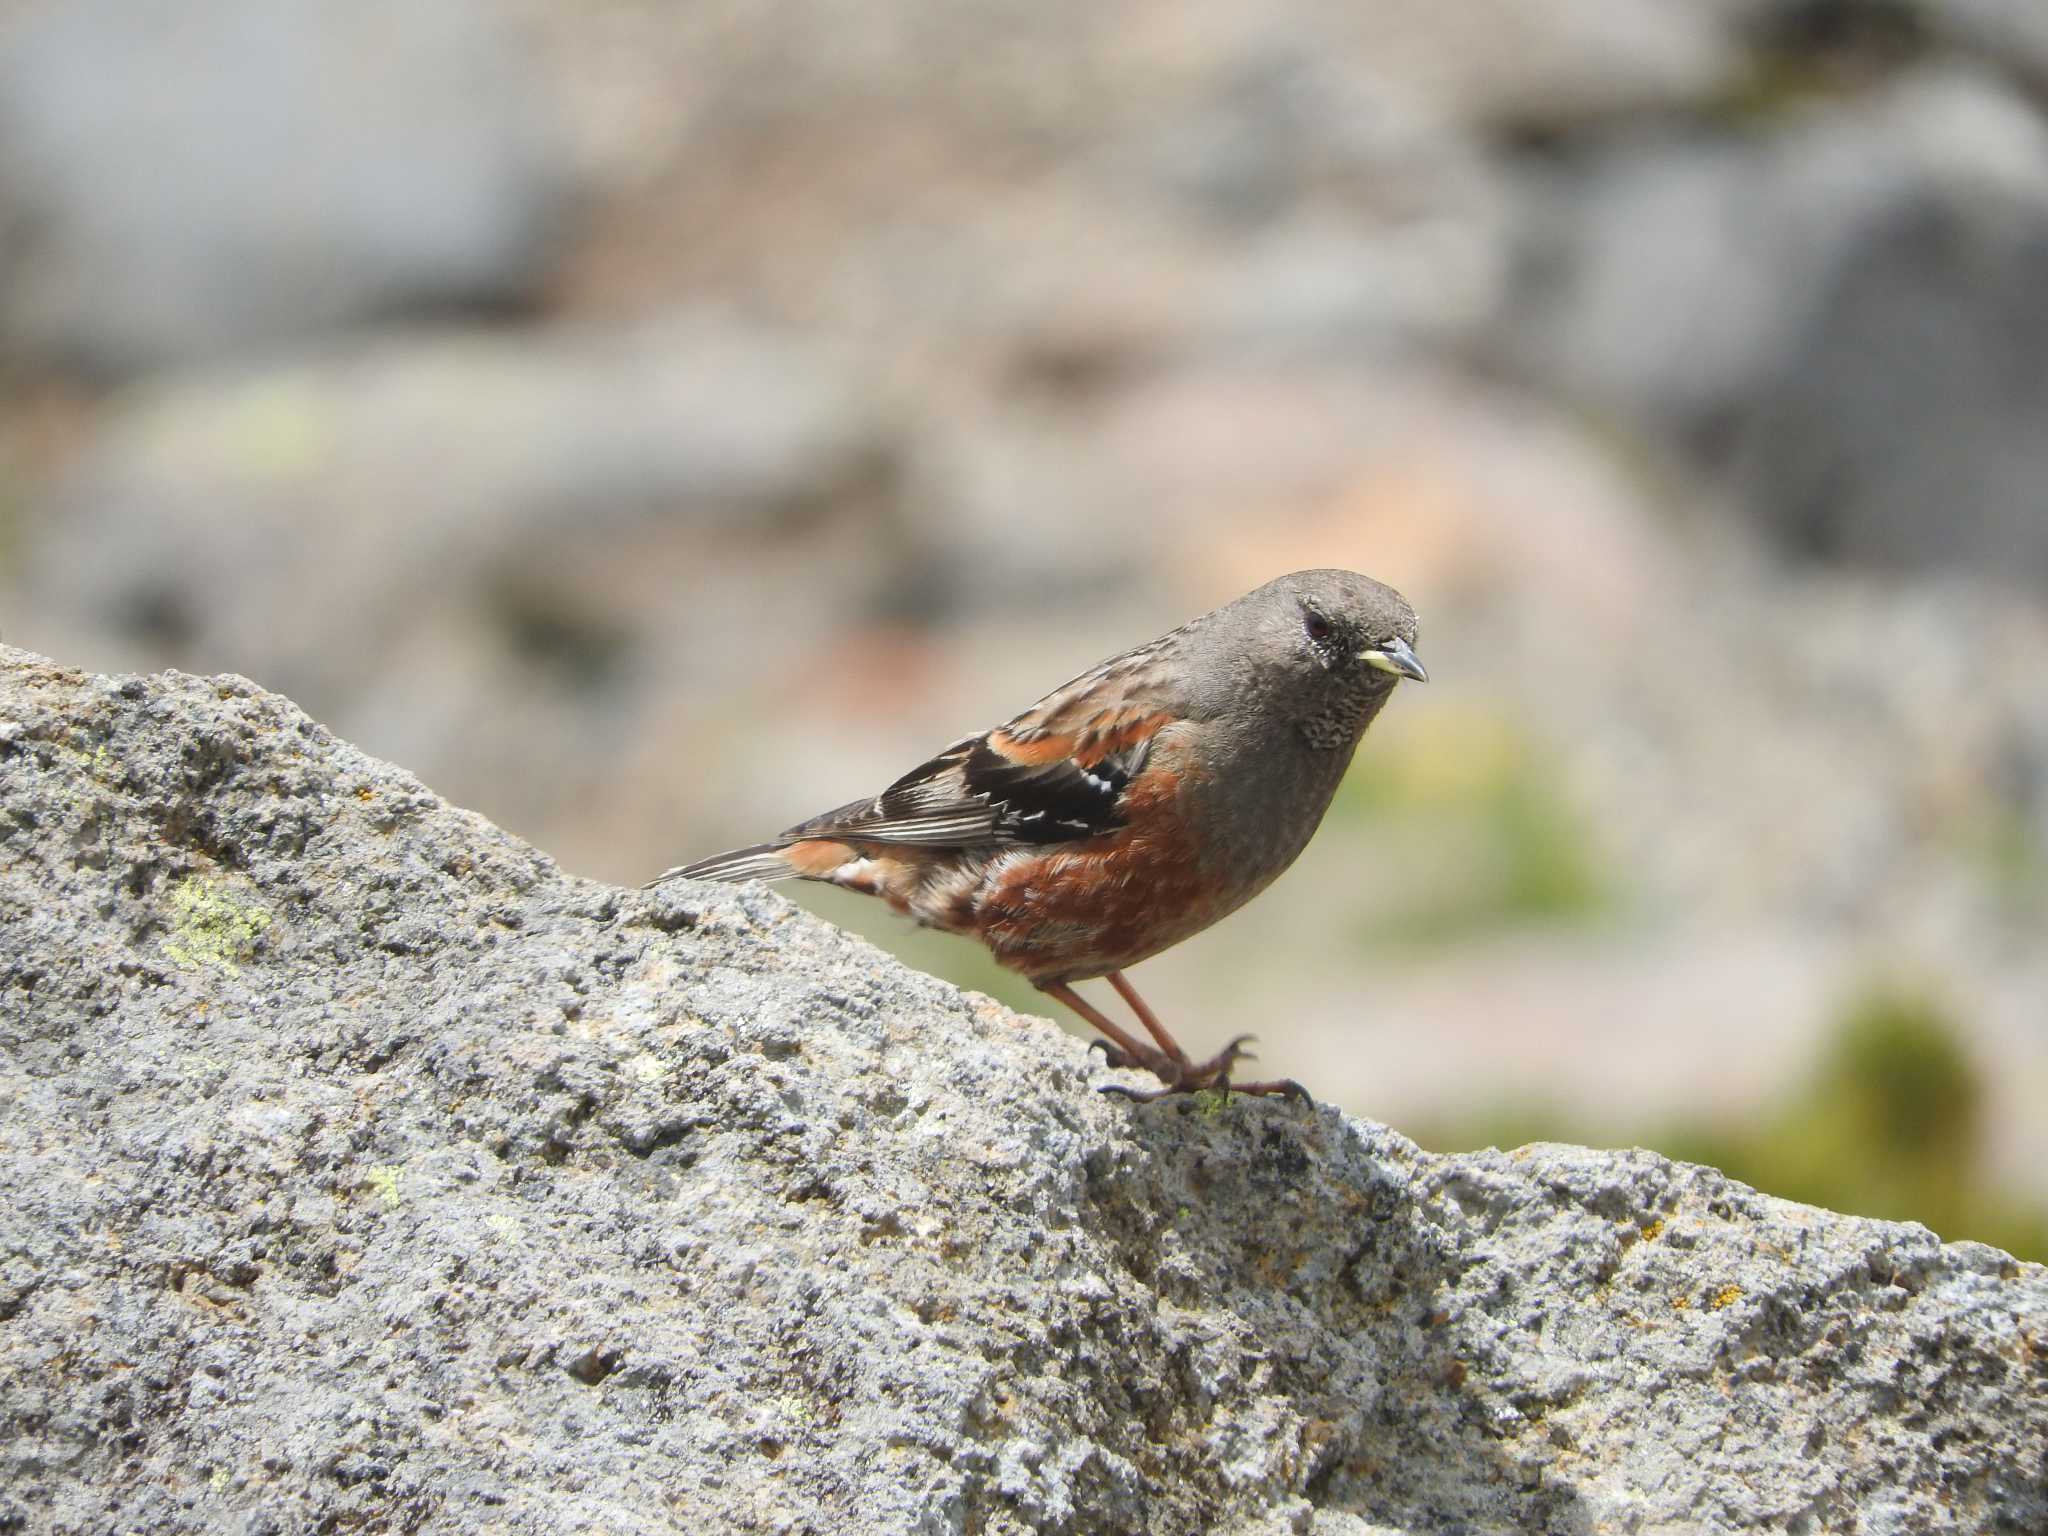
(2008, 846)
(1888, 1124)
(1478, 820)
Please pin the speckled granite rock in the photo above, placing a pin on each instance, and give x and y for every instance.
(364, 1171)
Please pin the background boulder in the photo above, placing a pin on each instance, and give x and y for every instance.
(182, 182)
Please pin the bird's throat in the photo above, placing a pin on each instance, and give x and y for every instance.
(1338, 725)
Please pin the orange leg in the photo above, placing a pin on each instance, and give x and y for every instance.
(1148, 1018)
(1118, 1036)
(1169, 1063)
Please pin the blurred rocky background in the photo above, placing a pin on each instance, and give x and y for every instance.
(652, 424)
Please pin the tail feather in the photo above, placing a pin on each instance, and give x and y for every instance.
(762, 861)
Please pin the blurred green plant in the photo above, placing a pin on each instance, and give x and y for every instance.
(2009, 848)
(1477, 818)
(1889, 1123)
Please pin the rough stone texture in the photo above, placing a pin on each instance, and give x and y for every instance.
(362, 1170)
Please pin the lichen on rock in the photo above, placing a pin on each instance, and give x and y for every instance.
(210, 927)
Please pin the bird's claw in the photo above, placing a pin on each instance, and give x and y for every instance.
(1182, 1077)
(1113, 1056)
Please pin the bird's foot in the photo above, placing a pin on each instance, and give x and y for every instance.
(1174, 1070)
(1181, 1076)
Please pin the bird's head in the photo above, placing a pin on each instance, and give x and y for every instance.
(1352, 627)
(1324, 647)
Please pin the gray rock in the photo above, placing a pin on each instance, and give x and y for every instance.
(1842, 313)
(2012, 32)
(1632, 290)
(465, 545)
(178, 181)
(364, 1170)
(1902, 424)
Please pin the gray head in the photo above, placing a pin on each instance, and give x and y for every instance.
(1322, 649)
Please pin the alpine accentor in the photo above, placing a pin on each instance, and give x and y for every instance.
(1129, 808)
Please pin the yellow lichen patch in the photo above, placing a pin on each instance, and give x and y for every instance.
(366, 794)
(507, 1227)
(1653, 1229)
(1727, 1296)
(383, 1179)
(210, 927)
(796, 1408)
(1681, 1303)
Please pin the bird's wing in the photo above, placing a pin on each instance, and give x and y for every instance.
(1055, 773)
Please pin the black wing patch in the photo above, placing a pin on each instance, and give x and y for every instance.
(1052, 802)
(971, 793)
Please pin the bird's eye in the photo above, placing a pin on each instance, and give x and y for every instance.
(1318, 627)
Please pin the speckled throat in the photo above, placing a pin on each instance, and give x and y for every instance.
(1343, 720)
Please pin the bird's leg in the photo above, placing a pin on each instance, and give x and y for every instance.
(1168, 1046)
(1169, 1063)
(1124, 1049)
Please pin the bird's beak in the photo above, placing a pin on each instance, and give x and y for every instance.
(1397, 658)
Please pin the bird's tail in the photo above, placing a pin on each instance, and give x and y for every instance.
(762, 861)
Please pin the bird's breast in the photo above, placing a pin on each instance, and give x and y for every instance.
(1251, 809)
(1077, 909)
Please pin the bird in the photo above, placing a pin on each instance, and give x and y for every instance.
(1128, 809)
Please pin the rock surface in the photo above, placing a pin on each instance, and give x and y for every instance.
(363, 1170)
